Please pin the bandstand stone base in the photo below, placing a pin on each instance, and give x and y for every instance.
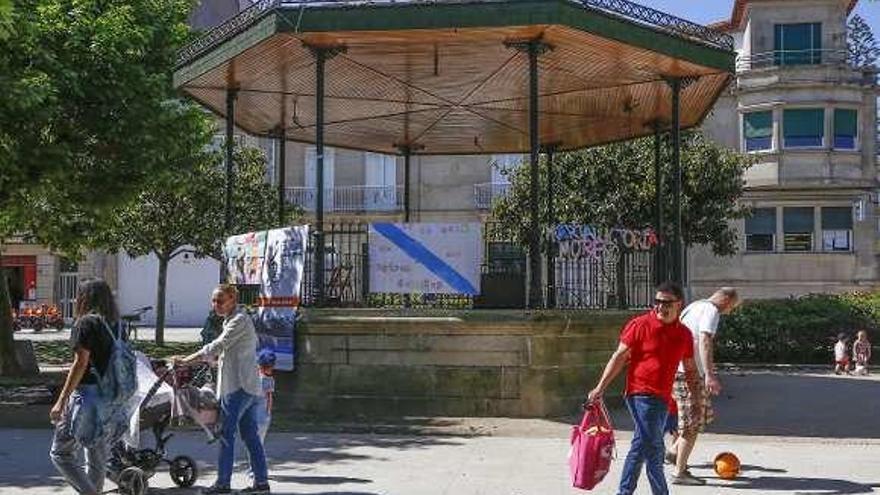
(380, 363)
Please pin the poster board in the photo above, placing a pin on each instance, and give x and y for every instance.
(274, 260)
(425, 258)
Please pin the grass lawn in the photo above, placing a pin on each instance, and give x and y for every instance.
(58, 352)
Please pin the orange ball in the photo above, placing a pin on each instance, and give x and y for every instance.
(727, 465)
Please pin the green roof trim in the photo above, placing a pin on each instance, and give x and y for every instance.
(402, 16)
(389, 17)
(262, 30)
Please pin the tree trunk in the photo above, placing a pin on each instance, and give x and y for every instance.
(160, 299)
(8, 362)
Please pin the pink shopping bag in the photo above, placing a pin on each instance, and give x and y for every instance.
(592, 447)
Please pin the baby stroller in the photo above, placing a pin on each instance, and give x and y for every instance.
(174, 393)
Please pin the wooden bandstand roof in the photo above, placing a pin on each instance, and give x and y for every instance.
(442, 77)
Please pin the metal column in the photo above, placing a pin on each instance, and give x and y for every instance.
(661, 271)
(407, 154)
(282, 169)
(231, 95)
(534, 48)
(321, 54)
(676, 252)
(551, 222)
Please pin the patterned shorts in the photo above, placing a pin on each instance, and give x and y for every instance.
(692, 417)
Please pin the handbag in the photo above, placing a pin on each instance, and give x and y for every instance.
(592, 447)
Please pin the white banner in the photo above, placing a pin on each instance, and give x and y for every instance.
(425, 258)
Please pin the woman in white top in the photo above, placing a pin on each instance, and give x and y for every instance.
(238, 387)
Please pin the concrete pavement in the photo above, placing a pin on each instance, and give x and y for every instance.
(356, 464)
(172, 334)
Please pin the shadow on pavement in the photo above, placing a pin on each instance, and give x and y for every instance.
(24, 459)
(794, 404)
(796, 485)
(744, 468)
(316, 480)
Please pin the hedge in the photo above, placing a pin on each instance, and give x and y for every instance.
(799, 330)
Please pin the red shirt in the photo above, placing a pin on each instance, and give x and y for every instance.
(655, 351)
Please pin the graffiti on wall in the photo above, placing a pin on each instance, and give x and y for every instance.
(588, 242)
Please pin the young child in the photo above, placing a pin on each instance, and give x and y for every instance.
(862, 352)
(841, 360)
(266, 361)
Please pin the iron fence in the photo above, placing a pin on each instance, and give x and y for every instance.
(616, 280)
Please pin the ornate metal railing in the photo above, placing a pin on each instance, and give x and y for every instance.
(226, 30)
(623, 9)
(665, 22)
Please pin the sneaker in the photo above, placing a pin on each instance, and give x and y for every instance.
(216, 490)
(256, 490)
(670, 457)
(686, 478)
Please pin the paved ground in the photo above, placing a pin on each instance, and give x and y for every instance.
(796, 433)
(173, 334)
(375, 464)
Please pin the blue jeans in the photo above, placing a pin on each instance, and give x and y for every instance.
(87, 476)
(649, 416)
(240, 414)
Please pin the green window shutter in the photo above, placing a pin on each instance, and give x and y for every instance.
(762, 221)
(845, 122)
(804, 127)
(758, 124)
(797, 220)
(837, 218)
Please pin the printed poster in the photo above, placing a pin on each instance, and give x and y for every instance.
(273, 259)
(425, 258)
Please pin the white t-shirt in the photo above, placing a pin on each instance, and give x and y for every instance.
(839, 351)
(700, 317)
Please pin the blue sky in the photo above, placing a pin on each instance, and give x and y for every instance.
(706, 11)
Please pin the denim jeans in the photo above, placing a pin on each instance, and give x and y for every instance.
(264, 419)
(86, 478)
(649, 416)
(240, 414)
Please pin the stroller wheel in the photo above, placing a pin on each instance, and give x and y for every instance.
(183, 471)
(132, 481)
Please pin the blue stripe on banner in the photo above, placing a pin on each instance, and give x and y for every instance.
(423, 255)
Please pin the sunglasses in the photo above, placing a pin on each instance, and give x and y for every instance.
(665, 302)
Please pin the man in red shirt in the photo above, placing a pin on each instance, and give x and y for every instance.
(651, 347)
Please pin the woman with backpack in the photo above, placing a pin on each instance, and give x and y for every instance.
(79, 424)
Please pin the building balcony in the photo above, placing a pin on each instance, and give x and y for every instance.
(791, 59)
(348, 199)
(487, 192)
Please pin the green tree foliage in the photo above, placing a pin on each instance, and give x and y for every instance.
(861, 45)
(183, 212)
(613, 186)
(86, 113)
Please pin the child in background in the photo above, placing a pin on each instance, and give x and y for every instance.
(266, 361)
(841, 360)
(862, 352)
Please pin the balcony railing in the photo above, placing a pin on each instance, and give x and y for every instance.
(348, 199)
(790, 58)
(486, 192)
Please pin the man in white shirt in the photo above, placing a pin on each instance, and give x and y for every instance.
(694, 413)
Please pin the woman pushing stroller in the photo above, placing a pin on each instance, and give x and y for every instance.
(238, 386)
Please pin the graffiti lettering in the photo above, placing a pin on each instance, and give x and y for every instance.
(588, 242)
